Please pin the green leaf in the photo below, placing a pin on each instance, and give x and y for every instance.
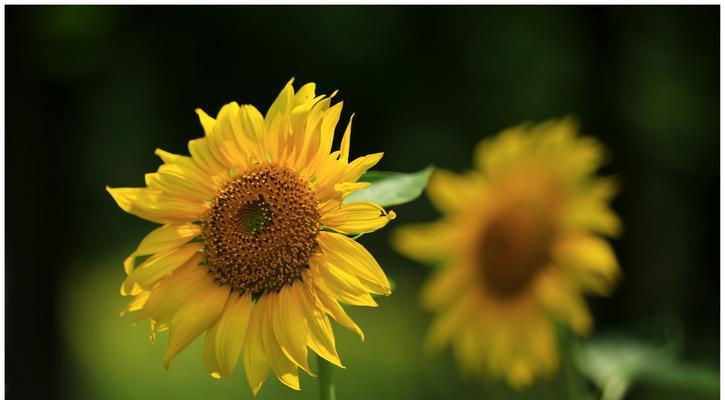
(615, 362)
(392, 188)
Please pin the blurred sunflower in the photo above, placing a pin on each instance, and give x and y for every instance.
(519, 245)
(253, 249)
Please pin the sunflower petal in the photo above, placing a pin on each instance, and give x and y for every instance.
(564, 301)
(157, 267)
(448, 322)
(288, 325)
(137, 303)
(451, 192)
(223, 342)
(492, 156)
(156, 207)
(211, 360)
(447, 286)
(594, 216)
(321, 339)
(185, 167)
(357, 217)
(283, 367)
(340, 284)
(349, 255)
(251, 126)
(201, 151)
(207, 122)
(195, 315)
(347, 188)
(312, 136)
(254, 358)
(276, 123)
(424, 242)
(329, 121)
(589, 258)
(171, 293)
(220, 136)
(338, 314)
(161, 239)
(358, 166)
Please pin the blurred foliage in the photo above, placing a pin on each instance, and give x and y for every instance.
(91, 91)
(616, 362)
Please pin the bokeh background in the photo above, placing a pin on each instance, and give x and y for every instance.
(92, 91)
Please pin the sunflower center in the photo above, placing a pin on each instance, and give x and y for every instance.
(514, 249)
(261, 230)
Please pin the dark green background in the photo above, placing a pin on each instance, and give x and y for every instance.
(91, 92)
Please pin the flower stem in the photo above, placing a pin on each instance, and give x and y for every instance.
(324, 372)
(573, 381)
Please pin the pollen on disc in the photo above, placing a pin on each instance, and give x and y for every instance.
(261, 230)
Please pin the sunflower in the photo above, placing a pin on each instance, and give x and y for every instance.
(254, 246)
(519, 245)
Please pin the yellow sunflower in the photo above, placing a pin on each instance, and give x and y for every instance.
(254, 247)
(519, 245)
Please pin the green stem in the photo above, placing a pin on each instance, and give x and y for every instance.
(324, 372)
(572, 379)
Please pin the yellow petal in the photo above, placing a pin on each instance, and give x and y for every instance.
(252, 128)
(424, 242)
(338, 314)
(345, 143)
(451, 192)
(186, 167)
(195, 316)
(207, 122)
(542, 344)
(563, 301)
(590, 259)
(327, 206)
(448, 322)
(211, 360)
(346, 188)
(304, 94)
(327, 132)
(574, 156)
(200, 150)
(225, 143)
(466, 348)
(312, 136)
(358, 166)
(304, 101)
(519, 375)
(340, 284)
(161, 239)
(254, 358)
(283, 367)
(357, 217)
(156, 207)
(328, 175)
(223, 342)
(137, 303)
(157, 267)
(495, 155)
(447, 286)
(321, 339)
(288, 325)
(171, 293)
(590, 210)
(167, 157)
(276, 123)
(350, 256)
(174, 180)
